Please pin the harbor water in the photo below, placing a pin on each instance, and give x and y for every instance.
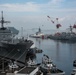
(62, 53)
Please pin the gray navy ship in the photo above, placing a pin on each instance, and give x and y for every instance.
(10, 46)
(64, 36)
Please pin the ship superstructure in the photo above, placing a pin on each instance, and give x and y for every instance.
(11, 47)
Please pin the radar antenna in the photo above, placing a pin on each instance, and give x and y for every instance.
(3, 21)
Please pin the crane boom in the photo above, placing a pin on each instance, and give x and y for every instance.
(57, 22)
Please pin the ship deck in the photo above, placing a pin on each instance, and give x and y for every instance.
(13, 54)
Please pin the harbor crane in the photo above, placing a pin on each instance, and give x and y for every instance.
(74, 26)
(58, 25)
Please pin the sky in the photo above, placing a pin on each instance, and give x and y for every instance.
(31, 14)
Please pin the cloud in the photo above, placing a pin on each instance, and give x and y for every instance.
(27, 7)
(53, 8)
(31, 6)
(56, 1)
(53, 5)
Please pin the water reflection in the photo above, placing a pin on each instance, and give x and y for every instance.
(57, 50)
(38, 41)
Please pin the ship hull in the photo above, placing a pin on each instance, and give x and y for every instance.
(15, 51)
(20, 45)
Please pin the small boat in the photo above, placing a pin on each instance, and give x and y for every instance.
(13, 69)
(49, 68)
(74, 63)
(13, 65)
(73, 72)
(31, 63)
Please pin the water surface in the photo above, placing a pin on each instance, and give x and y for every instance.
(61, 52)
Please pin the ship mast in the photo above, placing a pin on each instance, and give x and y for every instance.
(2, 21)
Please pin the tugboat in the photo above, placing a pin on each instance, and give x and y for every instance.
(48, 68)
(74, 63)
(74, 69)
(73, 72)
(10, 43)
(39, 34)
